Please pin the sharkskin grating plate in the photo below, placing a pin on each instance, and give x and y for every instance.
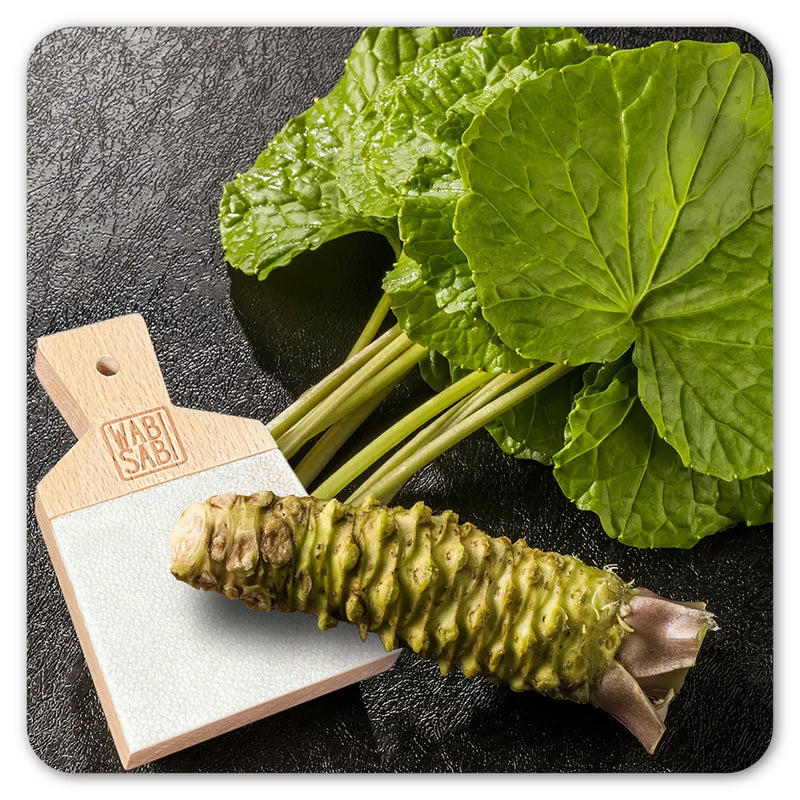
(175, 658)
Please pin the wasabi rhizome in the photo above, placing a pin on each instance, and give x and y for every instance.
(533, 620)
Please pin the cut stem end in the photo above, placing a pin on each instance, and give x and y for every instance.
(652, 663)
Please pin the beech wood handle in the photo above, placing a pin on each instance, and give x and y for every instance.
(100, 372)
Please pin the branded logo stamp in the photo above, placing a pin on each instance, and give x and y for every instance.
(144, 443)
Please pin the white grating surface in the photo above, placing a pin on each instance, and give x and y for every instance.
(176, 658)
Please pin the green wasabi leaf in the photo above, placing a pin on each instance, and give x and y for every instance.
(548, 55)
(426, 229)
(705, 356)
(615, 464)
(437, 371)
(627, 200)
(393, 162)
(393, 148)
(452, 331)
(413, 164)
(433, 296)
(289, 200)
(435, 300)
(361, 181)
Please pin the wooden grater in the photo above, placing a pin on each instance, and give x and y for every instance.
(172, 666)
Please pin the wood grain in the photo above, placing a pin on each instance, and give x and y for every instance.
(130, 436)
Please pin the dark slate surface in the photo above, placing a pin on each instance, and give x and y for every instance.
(132, 132)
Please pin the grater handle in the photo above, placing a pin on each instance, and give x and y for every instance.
(101, 372)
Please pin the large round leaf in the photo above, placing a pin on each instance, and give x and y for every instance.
(615, 464)
(289, 200)
(627, 200)
(394, 147)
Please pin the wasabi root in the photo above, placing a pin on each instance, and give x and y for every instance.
(530, 619)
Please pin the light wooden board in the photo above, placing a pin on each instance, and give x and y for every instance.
(130, 436)
(136, 451)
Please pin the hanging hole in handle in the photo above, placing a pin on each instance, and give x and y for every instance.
(107, 365)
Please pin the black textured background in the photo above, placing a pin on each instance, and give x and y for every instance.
(131, 134)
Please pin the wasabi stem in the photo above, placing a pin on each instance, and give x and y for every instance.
(387, 485)
(381, 371)
(453, 416)
(314, 395)
(451, 593)
(399, 431)
(335, 437)
(373, 324)
(326, 447)
(338, 405)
